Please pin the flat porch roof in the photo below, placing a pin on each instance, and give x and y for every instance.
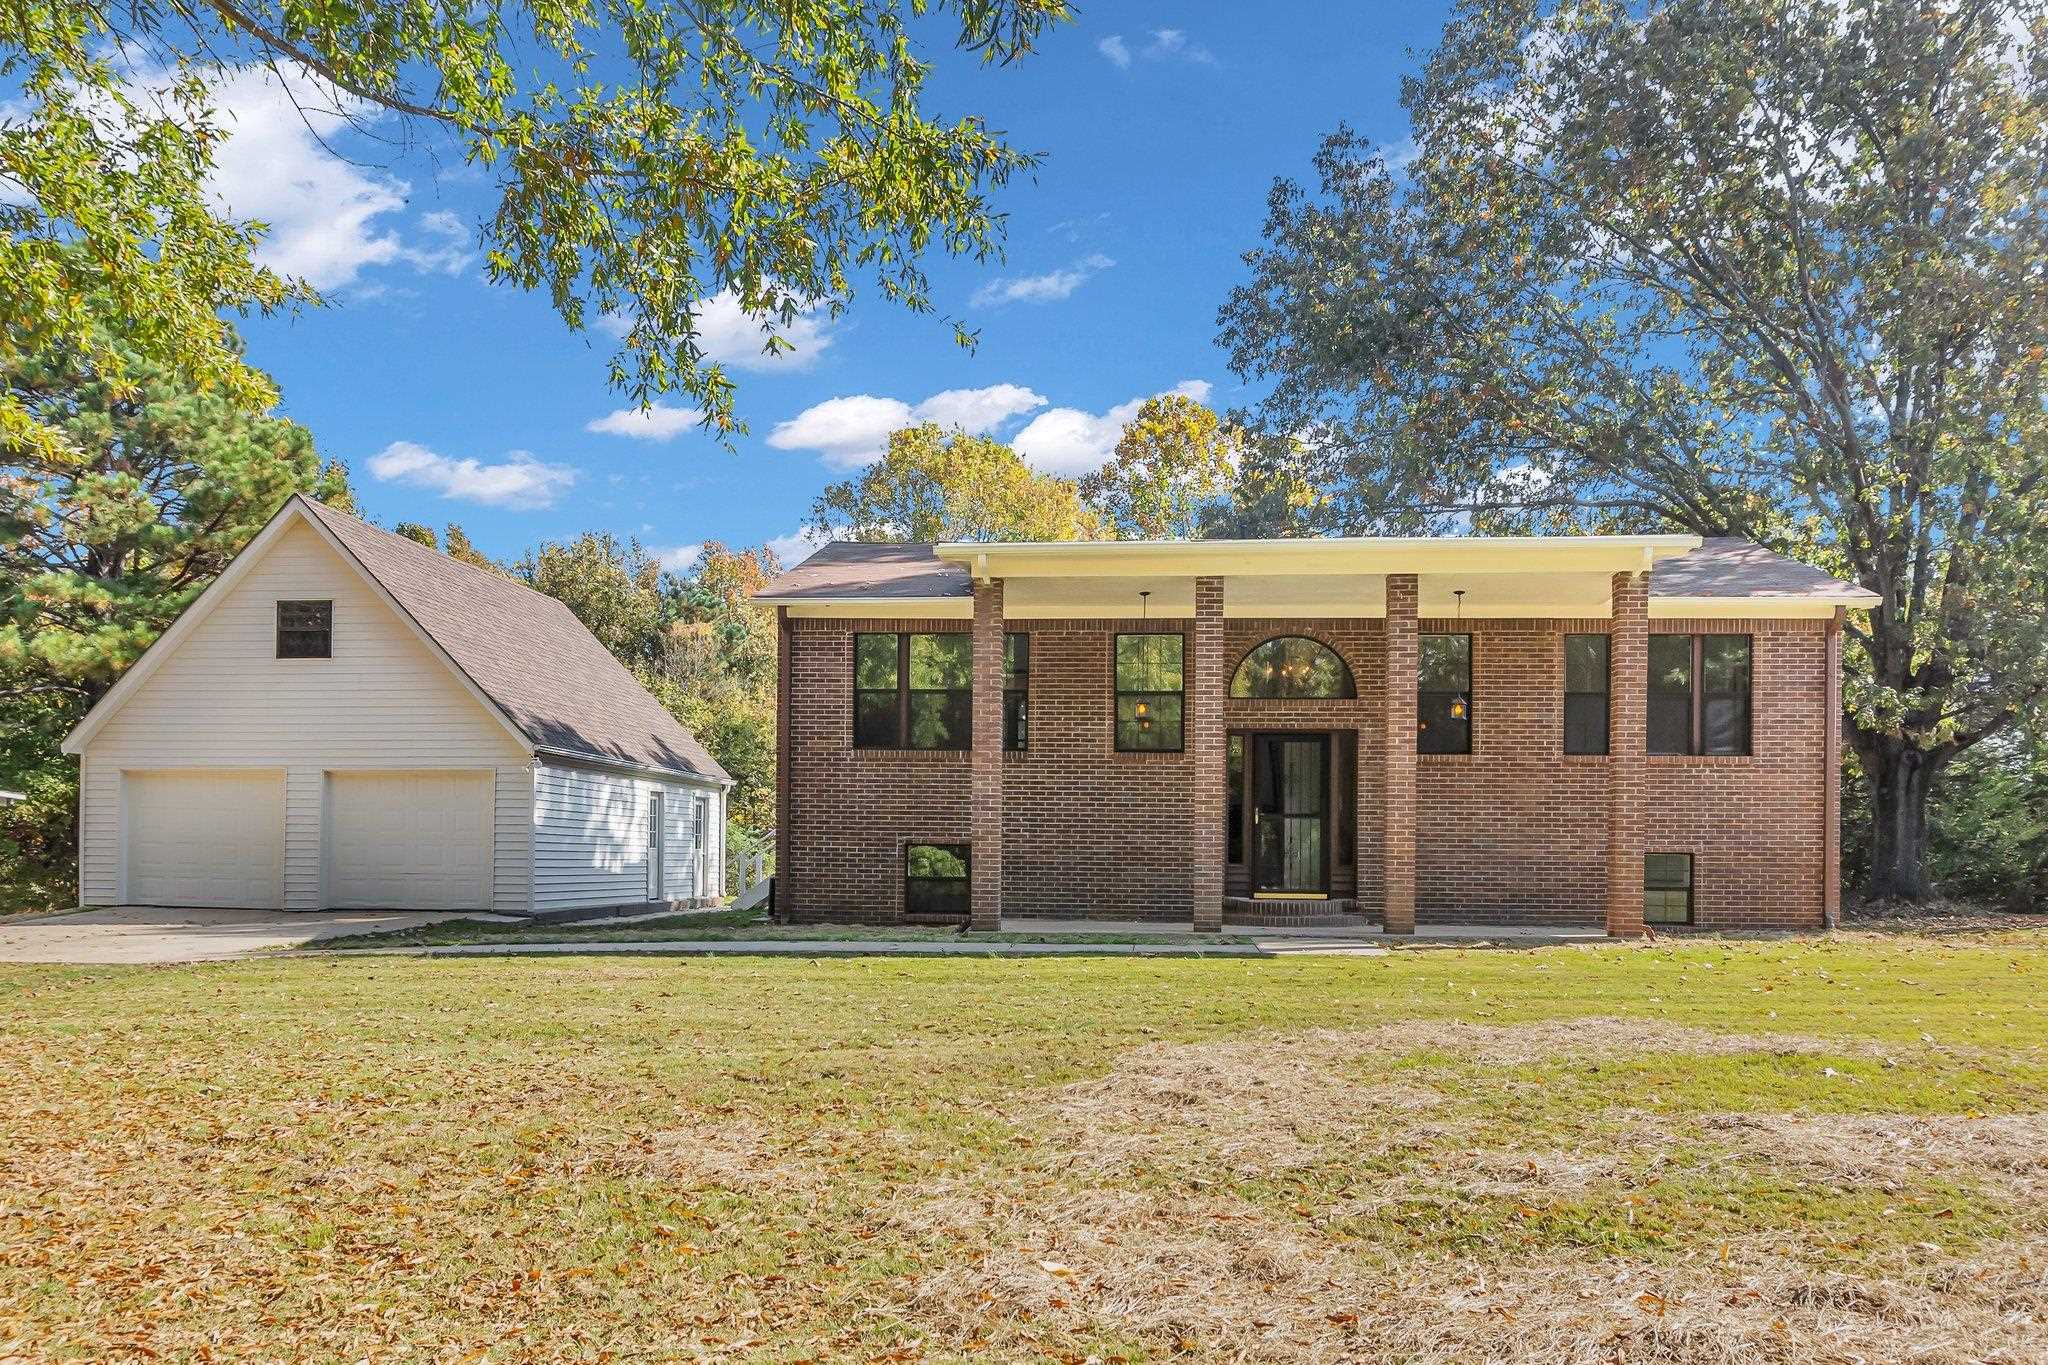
(1516, 576)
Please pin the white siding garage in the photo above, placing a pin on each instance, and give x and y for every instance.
(346, 719)
(204, 838)
(408, 840)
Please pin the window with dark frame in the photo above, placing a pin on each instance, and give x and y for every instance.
(1149, 673)
(1443, 695)
(935, 880)
(1292, 666)
(1016, 692)
(305, 630)
(1586, 689)
(913, 691)
(1667, 888)
(1233, 829)
(1699, 694)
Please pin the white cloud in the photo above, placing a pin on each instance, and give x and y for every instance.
(328, 219)
(852, 431)
(451, 255)
(1073, 229)
(1046, 288)
(732, 336)
(660, 422)
(1399, 156)
(1173, 44)
(798, 545)
(1068, 441)
(1167, 45)
(978, 410)
(520, 481)
(676, 558)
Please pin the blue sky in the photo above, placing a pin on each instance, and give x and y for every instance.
(1161, 126)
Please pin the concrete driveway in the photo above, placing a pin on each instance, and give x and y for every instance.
(143, 934)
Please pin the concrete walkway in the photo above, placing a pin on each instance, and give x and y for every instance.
(831, 947)
(1520, 934)
(144, 934)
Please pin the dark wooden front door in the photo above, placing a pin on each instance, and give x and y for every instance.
(1291, 814)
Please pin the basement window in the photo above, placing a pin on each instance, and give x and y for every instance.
(935, 880)
(1667, 888)
(305, 630)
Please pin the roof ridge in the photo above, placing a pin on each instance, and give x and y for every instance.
(413, 546)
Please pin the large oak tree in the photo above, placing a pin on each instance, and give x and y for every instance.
(1765, 268)
(646, 158)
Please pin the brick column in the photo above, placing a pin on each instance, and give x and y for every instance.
(1204, 738)
(784, 889)
(1397, 769)
(1831, 782)
(1627, 769)
(985, 883)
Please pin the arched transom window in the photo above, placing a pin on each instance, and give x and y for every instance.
(1292, 666)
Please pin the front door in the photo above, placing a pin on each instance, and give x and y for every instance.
(1290, 814)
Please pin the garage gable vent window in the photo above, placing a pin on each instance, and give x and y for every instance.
(305, 630)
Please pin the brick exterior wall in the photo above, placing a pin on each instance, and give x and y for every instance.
(1206, 682)
(1400, 782)
(1628, 659)
(986, 787)
(1514, 833)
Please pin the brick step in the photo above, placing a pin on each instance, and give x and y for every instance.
(1293, 914)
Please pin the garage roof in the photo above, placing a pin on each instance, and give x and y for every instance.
(521, 653)
(525, 651)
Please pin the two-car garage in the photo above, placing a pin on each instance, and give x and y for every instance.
(347, 720)
(409, 839)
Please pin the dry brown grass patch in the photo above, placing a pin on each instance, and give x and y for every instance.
(1186, 1267)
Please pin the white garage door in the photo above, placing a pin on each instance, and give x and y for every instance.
(409, 841)
(205, 838)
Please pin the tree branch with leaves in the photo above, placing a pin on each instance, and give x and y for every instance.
(1729, 266)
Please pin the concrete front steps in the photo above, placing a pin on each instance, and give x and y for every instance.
(1249, 912)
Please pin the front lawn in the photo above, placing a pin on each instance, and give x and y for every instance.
(1717, 1151)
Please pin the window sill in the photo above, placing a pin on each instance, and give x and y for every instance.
(1703, 760)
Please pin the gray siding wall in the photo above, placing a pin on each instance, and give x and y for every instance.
(590, 838)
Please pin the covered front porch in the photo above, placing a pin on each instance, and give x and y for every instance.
(1301, 806)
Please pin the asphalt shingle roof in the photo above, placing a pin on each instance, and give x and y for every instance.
(525, 651)
(1727, 567)
(843, 568)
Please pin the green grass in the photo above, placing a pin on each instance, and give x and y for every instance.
(1404, 1156)
(727, 926)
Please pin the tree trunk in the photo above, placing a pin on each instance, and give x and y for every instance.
(1900, 776)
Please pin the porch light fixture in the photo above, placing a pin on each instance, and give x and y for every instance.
(1458, 703)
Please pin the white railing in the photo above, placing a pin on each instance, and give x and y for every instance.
(751, 869)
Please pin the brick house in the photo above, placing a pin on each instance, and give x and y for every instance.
(1520, 730)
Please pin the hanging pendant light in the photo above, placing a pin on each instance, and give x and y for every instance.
(1459, 706)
